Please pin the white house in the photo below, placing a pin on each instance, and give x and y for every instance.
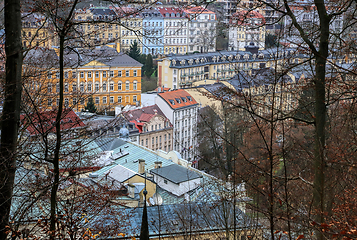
(181, 109)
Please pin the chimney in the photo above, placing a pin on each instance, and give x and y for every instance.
(141, 166)
(131, 190)
(158, 164)
(251, 48)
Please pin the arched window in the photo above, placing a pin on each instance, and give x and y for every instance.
(127, 85)
(104, 86)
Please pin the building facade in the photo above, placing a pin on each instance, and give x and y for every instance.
(201, 30)
(181, 109)
(246, 28)
(155, 130)
(108, 77)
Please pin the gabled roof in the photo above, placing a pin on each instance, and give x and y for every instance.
(178, 99)
(138, 116)
(176, 173)
(44, 122)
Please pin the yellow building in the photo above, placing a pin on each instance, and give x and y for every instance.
(108, 77)
(36, 31)
(100, 25)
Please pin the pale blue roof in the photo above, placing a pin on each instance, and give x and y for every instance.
(130, 160)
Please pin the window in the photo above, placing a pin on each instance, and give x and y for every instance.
(119, 86)
(111, 73)
(96, 87)
(49, 75)
(66, 102)
(49, 89)
(134, 99)
(104, 86)
(119, 73)
(127, 73)
(74, 87)
(104, 100)
(82, 74)
(111, 99)
(104, 74)
(119, 99)
(65, 74)
(96, 100)
(66, 87)
(135, 85)
(74, 101)
(97, 74)
(57, 87)
(135, 73)
(127, 85)
(152, 140)
(89, 74)
(89, 87)
(82, 101)
(57, 74)
(111, 86)
(81, 87)
(49, 102)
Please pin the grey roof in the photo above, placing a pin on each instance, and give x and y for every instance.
(109, 144)
(173, 220)
(176, 173)
(106, 55)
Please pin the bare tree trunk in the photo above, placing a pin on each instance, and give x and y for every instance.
(11, 110)
(58, 144)
(320, 114)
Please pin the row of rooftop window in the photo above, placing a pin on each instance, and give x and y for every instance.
(180, 100)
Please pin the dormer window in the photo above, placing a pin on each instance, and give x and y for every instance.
(178, 100)
(172, 102)
(184, 99)
(189, 98)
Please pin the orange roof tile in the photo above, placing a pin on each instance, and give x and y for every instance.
(178, 98)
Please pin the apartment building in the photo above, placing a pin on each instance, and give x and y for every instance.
(99, 26)
(36, 31)
(153, 31)
(175, 30)
(184, 71)
(201, 29)
(131, 27)
(181, 109)
(246, 28)
(155, 130)
(109, 77)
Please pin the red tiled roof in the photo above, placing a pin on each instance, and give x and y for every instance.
(197, 10)
(178, 98)
(169, 10)
(242, 18)
(145, 117)
(44, 122)
(142, 115)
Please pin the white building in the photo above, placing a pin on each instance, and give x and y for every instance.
(246, 28)
(181, 109)
(201, 30)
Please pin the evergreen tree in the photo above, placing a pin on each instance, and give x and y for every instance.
(90, 107)
(134, 51)
(148, 66)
